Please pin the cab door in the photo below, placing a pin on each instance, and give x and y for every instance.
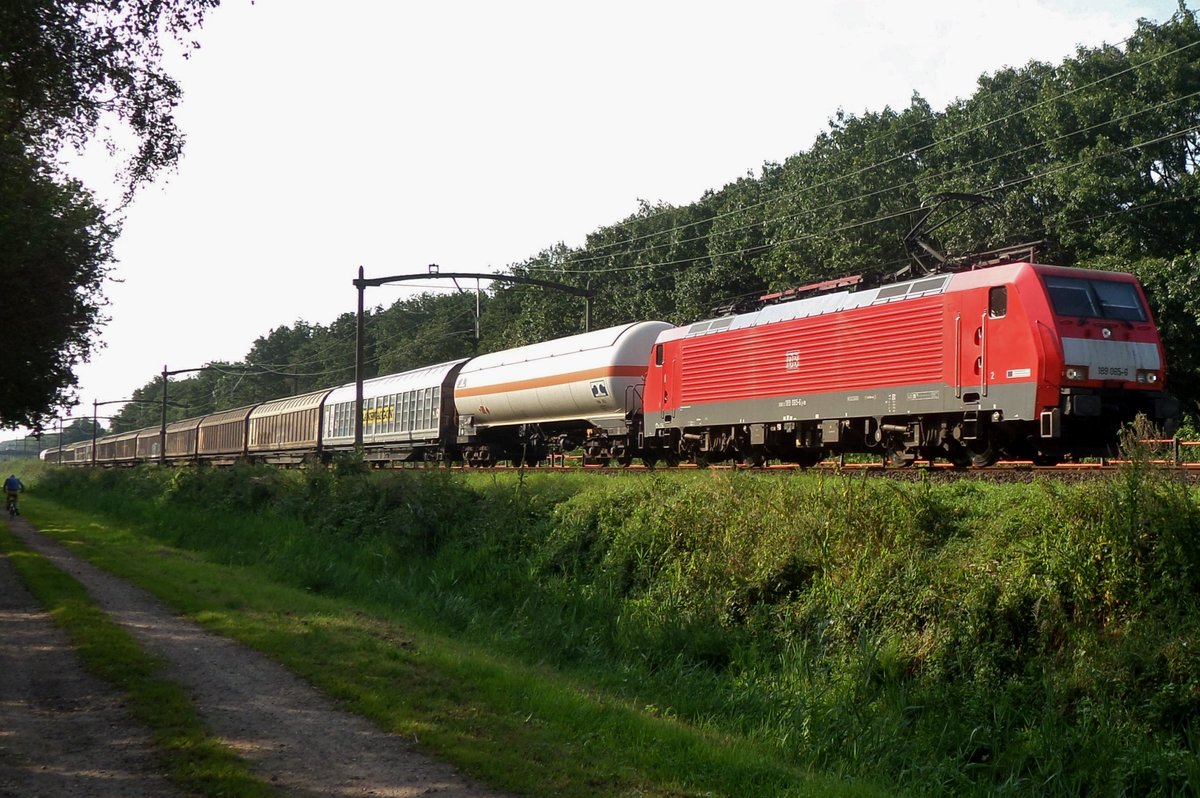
(993, 325)
(664, 384)
(979, 327)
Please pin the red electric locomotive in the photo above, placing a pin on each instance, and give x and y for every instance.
(1018, 361)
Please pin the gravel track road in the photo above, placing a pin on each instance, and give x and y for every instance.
(64, 733)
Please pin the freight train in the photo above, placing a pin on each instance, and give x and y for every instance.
(1013, 361)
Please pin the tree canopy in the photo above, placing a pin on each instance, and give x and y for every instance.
(1098, 155)
(66, 68)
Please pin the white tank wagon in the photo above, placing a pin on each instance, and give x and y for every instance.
(407, 416)
(584, 390)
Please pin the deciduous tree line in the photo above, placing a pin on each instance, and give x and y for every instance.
(1096, 155)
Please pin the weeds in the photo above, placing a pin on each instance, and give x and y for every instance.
(962, 638)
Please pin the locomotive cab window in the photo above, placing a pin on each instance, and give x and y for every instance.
(1095, 299)
(658, 354)
(998, 302)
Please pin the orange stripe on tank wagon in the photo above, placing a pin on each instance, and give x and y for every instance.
(548, 382)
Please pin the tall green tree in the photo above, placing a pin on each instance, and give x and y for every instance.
(67, 68)
(55, 247)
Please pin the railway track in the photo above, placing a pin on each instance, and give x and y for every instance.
(1009, 471)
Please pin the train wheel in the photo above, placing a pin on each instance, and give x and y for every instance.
(957, 454)
(807, 458)
(1042, 457)
(982, 453)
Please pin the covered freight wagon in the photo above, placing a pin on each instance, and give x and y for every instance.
(286, 431)
(407, 416)
(221, 437)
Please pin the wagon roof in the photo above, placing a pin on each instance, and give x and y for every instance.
(235, 414)
(185, 424)
(593, 341)
(289, 404)
(427, 377)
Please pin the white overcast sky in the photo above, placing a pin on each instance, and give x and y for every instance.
(323, 136)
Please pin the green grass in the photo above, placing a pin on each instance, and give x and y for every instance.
(521, 727)
(963, 638)
(193, 758)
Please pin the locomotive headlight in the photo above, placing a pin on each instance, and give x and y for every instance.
(1146, 377)
(1077, 373)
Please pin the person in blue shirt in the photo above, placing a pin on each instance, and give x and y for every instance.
(12, 486)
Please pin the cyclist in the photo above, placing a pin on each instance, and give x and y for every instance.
(12, 486)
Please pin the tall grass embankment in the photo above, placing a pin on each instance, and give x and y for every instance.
(948, 638)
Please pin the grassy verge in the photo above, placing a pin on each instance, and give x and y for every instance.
(194, 759)
(944, 639)
(522, 727)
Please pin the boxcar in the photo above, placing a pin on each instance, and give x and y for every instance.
(149, 444)
(79, 453)
(408, 416)
(182, 440)
(221, 437)
(287, 430)
(121, 448)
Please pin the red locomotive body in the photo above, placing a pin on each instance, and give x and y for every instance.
(1019, 360)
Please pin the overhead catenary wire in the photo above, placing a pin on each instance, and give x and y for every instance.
(898, 186)
(885, 217)
(865, 169)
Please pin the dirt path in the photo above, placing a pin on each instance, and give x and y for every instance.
(64, 734)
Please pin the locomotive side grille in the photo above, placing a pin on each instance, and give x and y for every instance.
(895, 344)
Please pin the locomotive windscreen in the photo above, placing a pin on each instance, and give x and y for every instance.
(1094, 299)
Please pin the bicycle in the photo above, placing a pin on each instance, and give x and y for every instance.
(13, 512)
